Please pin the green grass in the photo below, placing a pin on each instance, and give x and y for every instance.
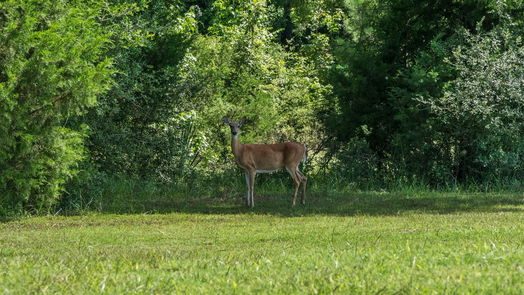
(370, 243)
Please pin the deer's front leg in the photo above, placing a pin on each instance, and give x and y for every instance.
(252, 187)
(248, 198)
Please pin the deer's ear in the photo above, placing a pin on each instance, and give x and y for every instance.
(242, 121)
(226, 120)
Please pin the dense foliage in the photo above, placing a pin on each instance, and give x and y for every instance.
(52, 68)
(381, 92)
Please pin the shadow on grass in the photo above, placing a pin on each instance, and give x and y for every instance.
(342, 204)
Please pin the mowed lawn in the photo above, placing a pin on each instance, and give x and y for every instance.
(365, 243)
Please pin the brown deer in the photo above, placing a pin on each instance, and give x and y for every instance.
(264, 158)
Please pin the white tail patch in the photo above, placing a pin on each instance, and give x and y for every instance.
(304, 158)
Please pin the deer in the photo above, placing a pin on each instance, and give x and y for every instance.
(266, 158)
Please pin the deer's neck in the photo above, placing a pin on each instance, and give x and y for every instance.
(236, 147)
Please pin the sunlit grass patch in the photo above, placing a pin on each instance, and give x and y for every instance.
(342, 243)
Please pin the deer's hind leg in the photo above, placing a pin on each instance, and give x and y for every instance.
(303, 180)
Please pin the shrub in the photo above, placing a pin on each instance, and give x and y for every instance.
(51, 70)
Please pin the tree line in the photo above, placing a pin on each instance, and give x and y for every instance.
(380, 92)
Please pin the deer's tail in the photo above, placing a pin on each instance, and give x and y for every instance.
(304, 158)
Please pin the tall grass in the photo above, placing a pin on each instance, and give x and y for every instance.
(119, 194)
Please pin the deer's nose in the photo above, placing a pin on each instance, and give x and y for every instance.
(234, 132)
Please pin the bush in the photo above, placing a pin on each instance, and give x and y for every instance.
(51, 70)
(356, 165)
(483, 108)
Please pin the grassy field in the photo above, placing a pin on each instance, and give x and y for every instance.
(369, 243)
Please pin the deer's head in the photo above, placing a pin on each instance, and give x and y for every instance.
(235, 126)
